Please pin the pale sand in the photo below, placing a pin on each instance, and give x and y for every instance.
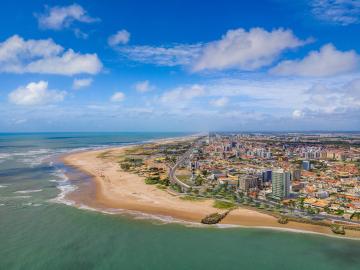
(122, 190)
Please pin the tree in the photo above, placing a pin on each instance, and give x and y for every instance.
(205, 172)
(355, 215)
(198, 180)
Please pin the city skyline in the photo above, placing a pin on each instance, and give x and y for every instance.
(180, 66)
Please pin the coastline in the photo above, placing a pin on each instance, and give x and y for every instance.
(118, 190)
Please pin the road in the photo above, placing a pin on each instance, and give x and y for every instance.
(172, 170)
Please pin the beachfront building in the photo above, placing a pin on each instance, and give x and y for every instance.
(266, 175)
(280, 184)
(247, 182)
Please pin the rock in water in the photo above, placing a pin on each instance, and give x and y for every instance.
(214, 218)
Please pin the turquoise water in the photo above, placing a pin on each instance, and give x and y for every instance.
(39, 231)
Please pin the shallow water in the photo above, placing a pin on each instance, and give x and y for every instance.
(39, 231)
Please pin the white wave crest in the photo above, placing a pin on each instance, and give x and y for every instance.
(65, 187)
(28, 191)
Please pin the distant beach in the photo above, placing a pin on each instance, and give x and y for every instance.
(117, 189)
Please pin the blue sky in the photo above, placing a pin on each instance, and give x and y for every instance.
(179, 65)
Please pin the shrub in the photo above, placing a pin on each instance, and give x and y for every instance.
(152, 180)
(125, 166)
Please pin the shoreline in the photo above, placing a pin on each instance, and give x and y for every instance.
(124, 192)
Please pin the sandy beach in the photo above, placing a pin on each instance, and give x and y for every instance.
(117, 189)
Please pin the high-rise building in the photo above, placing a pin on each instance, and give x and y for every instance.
(266, 175)
(306, 165)
(247, 182)
(280, 184)
(296, 174)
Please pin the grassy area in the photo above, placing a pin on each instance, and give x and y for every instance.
(191, 198)
(160, 186)
(223, 205)
(152, 180)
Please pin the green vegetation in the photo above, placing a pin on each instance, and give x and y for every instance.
(160, 186)
(128, 162)
(199, 180)
(283, 220)
(125, 166)
(223, 204)
(152, 180)
(191, 198)
(166, 181)
(176, 188)
(312, 211)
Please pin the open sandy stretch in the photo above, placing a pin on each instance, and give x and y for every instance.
(122, 190)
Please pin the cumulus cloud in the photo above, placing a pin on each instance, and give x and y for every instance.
(143, 86)
(57, 18)
(343, 12)
(44, 56)
(81, 83)
(121, 37)
(327, 62)
(220, 102)
(117, 97)
(246, 50)
(35, 93)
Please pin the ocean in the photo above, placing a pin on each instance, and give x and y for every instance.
(41, 229)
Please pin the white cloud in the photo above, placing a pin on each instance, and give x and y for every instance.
(35, 93)
(181, 95)
(327, 62)
(143, 86)
(343, 12)
(44, 56)
(117, 97)
(297, 114)
(181, 54)
(326, 99)
(80, 83)
(239, 49)
(69, 63)
(246, 50)
(57, 18)
(220, 102)
(80, 34)
(121, 37)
